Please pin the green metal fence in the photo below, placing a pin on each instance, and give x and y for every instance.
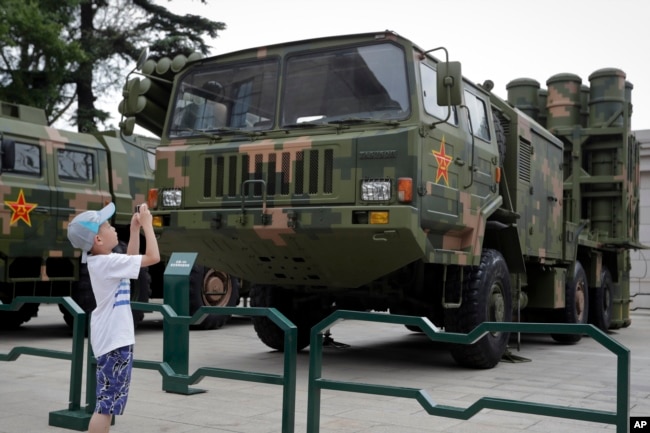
(317, 383)
(176, 378)
(74, 416)
(175, 381)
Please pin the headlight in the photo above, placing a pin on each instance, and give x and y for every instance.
(375, 190)
(172, 197)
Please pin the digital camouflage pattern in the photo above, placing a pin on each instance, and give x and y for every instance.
(48, 176)
(271, 170)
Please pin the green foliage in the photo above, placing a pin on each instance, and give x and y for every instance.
(62, 54)
(35, 58)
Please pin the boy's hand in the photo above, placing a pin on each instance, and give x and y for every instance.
(143, 215)
(135, 221)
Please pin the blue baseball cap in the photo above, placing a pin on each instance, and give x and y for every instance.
(84, 227)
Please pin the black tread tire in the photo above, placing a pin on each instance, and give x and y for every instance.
(140, 292)
(576, 297)
(12, 320)
(482, 287)
(269, 333)
(198, 277)
(600, 302)
(82, 294)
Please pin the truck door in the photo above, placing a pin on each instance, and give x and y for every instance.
(442, 147)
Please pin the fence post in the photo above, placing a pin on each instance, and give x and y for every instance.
(176, 336)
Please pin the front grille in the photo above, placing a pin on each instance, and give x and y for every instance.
(303, 173)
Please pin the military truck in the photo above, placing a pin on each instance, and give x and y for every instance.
(47, 176)
(362, 172)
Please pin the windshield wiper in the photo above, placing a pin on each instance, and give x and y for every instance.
(305, 125)
(218, 133)
(358, 120)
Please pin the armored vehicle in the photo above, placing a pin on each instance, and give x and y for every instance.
(361, 172)
(47, 176)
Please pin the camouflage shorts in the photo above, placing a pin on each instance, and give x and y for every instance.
(113, 380)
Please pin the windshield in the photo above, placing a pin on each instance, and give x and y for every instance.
(223, 98)
(366, 82)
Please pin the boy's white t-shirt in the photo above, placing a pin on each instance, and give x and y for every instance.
(111, 323)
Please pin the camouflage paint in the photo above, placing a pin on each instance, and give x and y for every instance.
(39, 198)
(283, 206)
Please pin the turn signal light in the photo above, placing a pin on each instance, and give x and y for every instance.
(378, 217)
(405, 189)
(152, 198)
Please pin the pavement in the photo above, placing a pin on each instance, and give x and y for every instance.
(581, 375)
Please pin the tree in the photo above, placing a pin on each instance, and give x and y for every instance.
(35, 59)
(56, 53)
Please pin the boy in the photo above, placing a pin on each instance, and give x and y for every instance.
(111, 323)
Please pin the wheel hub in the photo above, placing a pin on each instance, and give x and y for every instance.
(216, 290)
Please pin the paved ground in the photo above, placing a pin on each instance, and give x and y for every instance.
(581, 375)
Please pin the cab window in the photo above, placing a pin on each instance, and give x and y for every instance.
(74, 165)
(430, 95)
(478, 116)
(27, 159)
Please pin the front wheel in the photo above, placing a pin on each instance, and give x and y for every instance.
(211, 288)
(302, 311)
(486, 297)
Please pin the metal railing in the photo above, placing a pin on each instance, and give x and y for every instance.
(177, 379)
(74, 417)
(317, 383)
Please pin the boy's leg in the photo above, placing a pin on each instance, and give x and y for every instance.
(113, 381)
(100, 423)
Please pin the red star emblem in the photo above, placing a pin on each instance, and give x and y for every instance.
(443, 161)
(20, 209)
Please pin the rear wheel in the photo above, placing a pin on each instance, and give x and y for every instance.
(600, 302)
(576, 304)
(211, 288)
(486, 297)
(10, 320)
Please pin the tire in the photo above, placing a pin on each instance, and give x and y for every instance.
(82, 294)
(600, 302)
(11, 320)
(576, 307)
(281, 299)
(140, 292)
(212, 288)
(486, 297)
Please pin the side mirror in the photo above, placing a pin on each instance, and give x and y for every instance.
(7, 154)
(449, 84)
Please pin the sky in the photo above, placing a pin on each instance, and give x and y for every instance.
(500, 40)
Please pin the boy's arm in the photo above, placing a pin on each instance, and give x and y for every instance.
(151, 255)
(133, 248)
